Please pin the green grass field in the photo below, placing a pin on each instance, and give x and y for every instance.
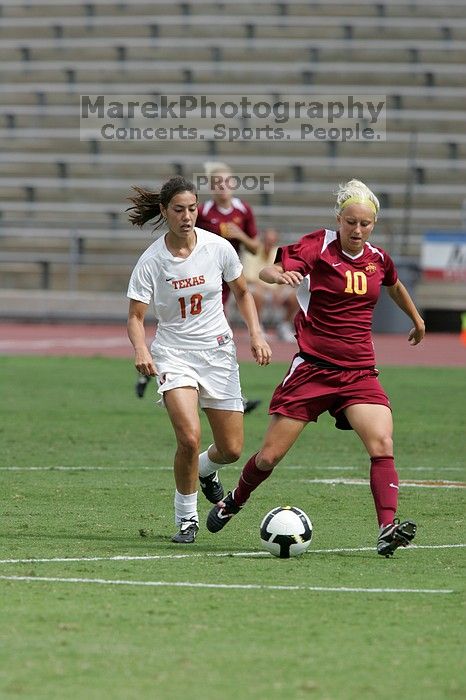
(107, 613)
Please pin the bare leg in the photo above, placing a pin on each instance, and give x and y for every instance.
(373, 423)
(182, 408)
(227, 431)
(281, 435)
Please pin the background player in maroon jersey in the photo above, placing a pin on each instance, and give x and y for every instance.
(233, 219)
(339, 275)
(226, 215)
(279, 298)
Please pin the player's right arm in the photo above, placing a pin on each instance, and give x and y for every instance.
(142, 358)
(275, 274)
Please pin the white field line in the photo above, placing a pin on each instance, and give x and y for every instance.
(52, 343)
(353, 468)
(59, 468)
(154, 557)
(224, 586)
(418, 484)
(298, 467)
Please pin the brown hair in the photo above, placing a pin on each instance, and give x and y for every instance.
(146, 203)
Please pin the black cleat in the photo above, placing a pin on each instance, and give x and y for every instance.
(395, 535)
(250, 405)
(187, 533)
(141, 385)
(222, 513)
(212, 487)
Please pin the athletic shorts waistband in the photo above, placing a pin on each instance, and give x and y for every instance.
(324, 364)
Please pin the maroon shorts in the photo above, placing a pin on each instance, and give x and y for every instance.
(308, 390)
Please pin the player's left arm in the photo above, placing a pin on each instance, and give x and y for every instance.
(259, 346)
(402, 298)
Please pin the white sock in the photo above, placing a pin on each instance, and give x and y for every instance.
(206, 466)
(185, 507)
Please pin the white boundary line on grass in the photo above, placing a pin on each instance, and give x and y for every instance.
(84, 469)
(153, 557)
(436, 469)
(62, 468)
(63, 342)
(418, 484)
(225, 586)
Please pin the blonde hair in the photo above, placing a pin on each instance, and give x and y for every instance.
(213, 166)
(356, 192)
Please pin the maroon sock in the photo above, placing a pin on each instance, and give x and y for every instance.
(384, 487)
(249, 480)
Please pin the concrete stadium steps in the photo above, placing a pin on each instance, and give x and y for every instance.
(414, 52)
(396, 145)
(237, 25)
(201, 71)
(86, 278)
(318, 166)
(244, 159)
(285, 194)
(196, 48)
(72, 146)
(447, 212)
(283, 217)
(72, 245)
(142, 28)
(441, 294)
(21, 121)
(64, 305)
(398, 97)
(89, 8)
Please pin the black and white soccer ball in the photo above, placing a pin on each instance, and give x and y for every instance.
(286, 532)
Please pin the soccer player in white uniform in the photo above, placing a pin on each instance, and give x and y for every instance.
(193, 354)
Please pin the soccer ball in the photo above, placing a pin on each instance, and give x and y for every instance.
(286, 532)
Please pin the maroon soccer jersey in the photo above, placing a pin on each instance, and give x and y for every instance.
(211, 217)
(337, 296)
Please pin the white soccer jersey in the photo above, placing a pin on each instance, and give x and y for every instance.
(187, 292)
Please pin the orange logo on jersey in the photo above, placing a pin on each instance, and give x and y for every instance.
(189, 282)
(371, 268)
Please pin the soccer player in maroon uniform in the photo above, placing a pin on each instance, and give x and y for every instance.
(339, 275)
(233, 219)
(227, 216)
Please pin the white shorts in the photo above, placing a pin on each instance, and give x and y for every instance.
(214, 373)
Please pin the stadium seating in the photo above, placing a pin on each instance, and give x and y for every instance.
(56, 190)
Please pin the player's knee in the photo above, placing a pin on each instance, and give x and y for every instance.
(189, 443)
(382, 445)
(267, 460)
(230, 453)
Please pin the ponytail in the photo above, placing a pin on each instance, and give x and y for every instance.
(146, 203)
(146, 206)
